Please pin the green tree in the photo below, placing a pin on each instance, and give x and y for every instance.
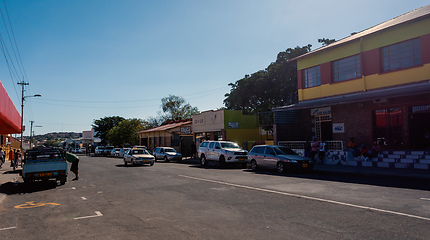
(326, 41)
(273, 87)
(176, 108)
(125, 132)
(103, 125)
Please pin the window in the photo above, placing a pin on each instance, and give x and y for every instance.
(211, 145)
(401, 55)
(270, 151)
(312, 77)
(347, 68)
(204, 144)
(387, 126)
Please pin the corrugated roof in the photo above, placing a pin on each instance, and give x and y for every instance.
(166, 127)
(402, 19)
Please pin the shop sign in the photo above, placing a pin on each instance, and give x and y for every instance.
(320, 111)
(185, 130)
(233, 124)
(338, 127)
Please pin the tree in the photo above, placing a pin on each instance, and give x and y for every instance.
(176, 108)
(273, 87)
(326, 41)
(125, 132)
(103, 125)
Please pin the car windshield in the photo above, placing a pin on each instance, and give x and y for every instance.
(229, 145)
(170, 150)
(139, 151)
(284, 151)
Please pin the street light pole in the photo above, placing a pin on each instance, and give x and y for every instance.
(23, 84)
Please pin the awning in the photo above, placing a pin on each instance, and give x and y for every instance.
(167, 127)
(373, 95)
(10, 119)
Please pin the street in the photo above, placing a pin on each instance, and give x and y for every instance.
(186, 201)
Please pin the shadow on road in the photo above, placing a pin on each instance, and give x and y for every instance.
(11, 188)
(382, 181)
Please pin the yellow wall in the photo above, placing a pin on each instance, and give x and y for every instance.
(373, 41)
(240, 135)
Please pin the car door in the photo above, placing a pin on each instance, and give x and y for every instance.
(257, 154)
(270, 158)
(217, 151)
(211, 151)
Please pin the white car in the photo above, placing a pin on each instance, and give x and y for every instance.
(138, 156)
(167, 154)
(223, 152)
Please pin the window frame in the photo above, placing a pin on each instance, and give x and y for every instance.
(336, 69)
(306, 75)
(416, 56)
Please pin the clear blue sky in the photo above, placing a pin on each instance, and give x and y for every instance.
(95, 58)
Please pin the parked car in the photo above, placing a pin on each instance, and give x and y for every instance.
(167, 154)
(144, 147)
(223, 152)
(82, 150)
(122, 151)
(115, 152)
(138, 156)
(278, 157)
(99, 150)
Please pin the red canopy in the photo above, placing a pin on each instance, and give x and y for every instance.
(10, 119)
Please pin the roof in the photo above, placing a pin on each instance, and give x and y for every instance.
(399, 91)
(402, 19)
(10, 119)
(166, 127)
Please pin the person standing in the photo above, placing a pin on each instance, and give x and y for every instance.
(321, 153)
(11, 157)
(72, 158)
(315, 149)
(2, 157)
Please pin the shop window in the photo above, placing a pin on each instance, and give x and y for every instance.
(387, 126)
(346, 69)
(312, 77)
(402, 55)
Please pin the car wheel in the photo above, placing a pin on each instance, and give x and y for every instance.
(63, 180)
(254, 165)
(165, 159)
(125, 162)
(203, 161)
(280, 167)
(151, 164)
(222, 161)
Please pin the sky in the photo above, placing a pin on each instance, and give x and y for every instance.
(91, 59)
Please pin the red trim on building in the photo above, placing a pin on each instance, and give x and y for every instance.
(10, 119)
(326, 76)
(371, 62)
(425, 48)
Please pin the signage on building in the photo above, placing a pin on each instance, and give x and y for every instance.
(185, 130)
(320, 111)
(233, 124)
(338, 127)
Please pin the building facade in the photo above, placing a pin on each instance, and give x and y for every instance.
(373, 85)
(227, 125)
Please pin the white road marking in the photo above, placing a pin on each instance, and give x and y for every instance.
(428, 199)
(8, 228)
(73, 188)
(84, 198)
(98, 214)
(307, 197)
(99, 192)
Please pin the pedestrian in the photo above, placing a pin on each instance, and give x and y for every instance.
(2, 156)
(15, 159)
(72, 158)
(11, 157)
(307, 149)
(315, 149)
(321, 153)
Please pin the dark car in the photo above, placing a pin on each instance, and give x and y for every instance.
(278, 157)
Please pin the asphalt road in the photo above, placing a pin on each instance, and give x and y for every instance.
(185, 201)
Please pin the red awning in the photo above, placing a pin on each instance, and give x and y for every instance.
(10, 119)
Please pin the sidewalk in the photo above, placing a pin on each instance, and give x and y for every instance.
(7, 175)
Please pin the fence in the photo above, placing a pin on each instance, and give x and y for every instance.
(300, 145)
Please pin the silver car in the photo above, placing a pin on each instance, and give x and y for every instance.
(138, 156)
(167, 154)
(278, 157)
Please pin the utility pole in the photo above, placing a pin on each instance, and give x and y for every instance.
(23, 84)
(31, 132)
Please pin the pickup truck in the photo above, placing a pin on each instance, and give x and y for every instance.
(44, 164)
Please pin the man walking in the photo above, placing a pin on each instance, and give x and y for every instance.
(72, 158)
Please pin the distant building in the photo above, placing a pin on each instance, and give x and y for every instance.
(373, 85)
